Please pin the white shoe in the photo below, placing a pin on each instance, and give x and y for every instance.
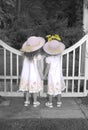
(48, 104)
(59, 104)
(26, 103)
(35, 104)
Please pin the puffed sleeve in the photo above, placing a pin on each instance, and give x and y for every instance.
(39, 57)
(48, 60)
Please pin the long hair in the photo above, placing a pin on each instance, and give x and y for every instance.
(32, 54)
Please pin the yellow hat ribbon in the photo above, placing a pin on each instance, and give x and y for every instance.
(52, 37)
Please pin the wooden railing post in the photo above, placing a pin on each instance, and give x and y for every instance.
(86, 59)
(86, 66)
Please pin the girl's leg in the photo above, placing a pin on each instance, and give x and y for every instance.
(59, 103)
(35, 102)
(27, 102)
(35, 97)
(50, 98)
(49, 103)
(59, 98)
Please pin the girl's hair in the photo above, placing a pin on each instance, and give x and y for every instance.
(32, 54)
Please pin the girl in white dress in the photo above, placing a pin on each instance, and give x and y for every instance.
(31, 72)
(54, 70)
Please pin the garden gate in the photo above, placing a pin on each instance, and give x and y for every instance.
(74, 63)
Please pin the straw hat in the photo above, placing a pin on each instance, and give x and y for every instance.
(54, 47)
(33, 43)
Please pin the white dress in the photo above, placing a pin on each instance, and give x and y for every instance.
(55, 78)
(30, 78)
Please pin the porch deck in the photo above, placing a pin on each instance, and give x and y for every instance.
(71, 108)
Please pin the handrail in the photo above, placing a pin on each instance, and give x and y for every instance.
(70, 79)
(11, 49)
(15, 51)
(80, 42)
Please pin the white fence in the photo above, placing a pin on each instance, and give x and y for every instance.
(74, 63)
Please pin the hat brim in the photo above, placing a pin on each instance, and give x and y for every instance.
(56, 51)
(29, 49)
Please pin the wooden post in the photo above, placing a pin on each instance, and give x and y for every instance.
(86, 68)
(86, 59)
(85, 16)
(85, 28)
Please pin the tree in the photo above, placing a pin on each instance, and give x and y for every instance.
(36, 17)
(6, 16)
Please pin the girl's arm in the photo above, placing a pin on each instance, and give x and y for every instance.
(39, 65)
(47, 70)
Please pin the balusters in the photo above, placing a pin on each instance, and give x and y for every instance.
(11, 70)
(4, 70)
(67, 66)
(73, 71)
(79, 66)
(17, 67)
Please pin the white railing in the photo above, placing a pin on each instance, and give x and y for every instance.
(76, 66)
(74, 63)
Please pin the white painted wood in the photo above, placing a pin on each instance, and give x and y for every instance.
(4, 45)
(66, 78)
(76, 45)
(19, 94)
(8, 77)
(73, 70)
(79, 68)
(17, 66)
(70, 94)
(85, 18)
(86, 65)
(4, 70)
(86, 60)
(80, 77)
(11, 70)
(12, 94)
(67, 65)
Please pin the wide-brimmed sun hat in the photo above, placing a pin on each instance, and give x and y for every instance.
(54, 47)
(33, 43)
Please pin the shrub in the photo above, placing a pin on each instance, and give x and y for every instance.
(17, 38)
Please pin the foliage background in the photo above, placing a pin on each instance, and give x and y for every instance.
(20, 19)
